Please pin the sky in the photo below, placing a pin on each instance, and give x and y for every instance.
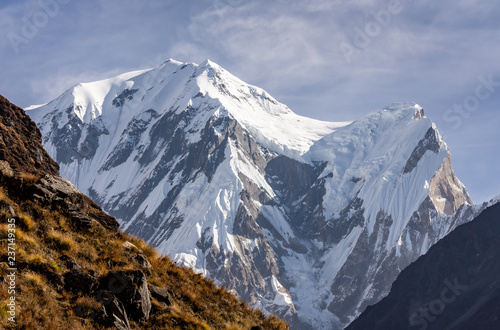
(333, 60)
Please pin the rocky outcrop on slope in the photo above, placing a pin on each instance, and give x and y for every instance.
(28, 172)
(21, 142)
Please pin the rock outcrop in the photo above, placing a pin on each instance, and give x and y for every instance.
(21, 142)
(131, 288)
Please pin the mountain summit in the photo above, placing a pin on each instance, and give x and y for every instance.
(310, 220)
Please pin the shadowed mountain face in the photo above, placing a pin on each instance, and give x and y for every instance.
(307, 219)
(21, 142)
(456, 285)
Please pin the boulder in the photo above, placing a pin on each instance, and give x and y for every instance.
(160, 294)
(131, 288)
(77, 281)
(69, 262)
(6, 208)
(6, 169)
(141, 261)
(113, 312)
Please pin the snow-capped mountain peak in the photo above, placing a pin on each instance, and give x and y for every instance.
(308, 219)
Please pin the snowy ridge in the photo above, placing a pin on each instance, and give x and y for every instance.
(279, 207)
(495, 199)
(176, 85)
(376, 160)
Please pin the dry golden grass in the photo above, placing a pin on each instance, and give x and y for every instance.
(29, 178)
(25, 222)
(61, 241)
(34, 280)
(3, 196)
(25, 239)
(44, 238)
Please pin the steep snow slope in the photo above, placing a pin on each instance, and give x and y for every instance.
(308, 219)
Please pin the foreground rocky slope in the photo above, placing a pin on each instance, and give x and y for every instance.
(455, 285)
(311, 220)
(74, 269)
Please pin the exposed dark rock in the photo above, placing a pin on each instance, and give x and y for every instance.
(419, 114)
(79, 282)
(160, 294)
(351, 216)
(290, 177)
(429, 142)
(7, 208)
(129, 139)
(69, 262)
(21, 142)
(206, 240)
(88, 147)
(131, 288)
(113, 312)
(142, 261)
(126, 95)
(69, 135)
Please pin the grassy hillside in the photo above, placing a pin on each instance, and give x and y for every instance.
(45, 239)
(65, 265)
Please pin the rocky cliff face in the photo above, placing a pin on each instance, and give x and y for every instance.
(453, 286)
(311, 220)
(29, 173)
(21, 142)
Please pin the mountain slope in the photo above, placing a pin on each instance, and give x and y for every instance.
(21, 142)
(73, 268)
(284, 209)
(455, 285)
